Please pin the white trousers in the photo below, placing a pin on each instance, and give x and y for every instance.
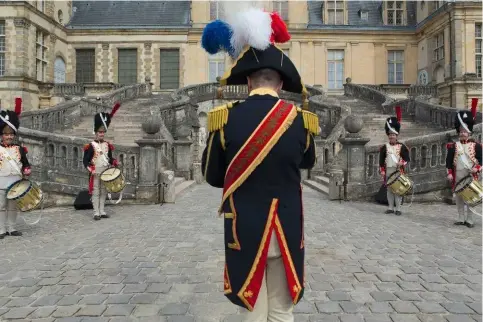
(274, 303)
(99, 194)
(8, 213)
(464, 212)
(391, 197)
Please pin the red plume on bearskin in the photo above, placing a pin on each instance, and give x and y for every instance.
(18, 106)
(115, 108)
(474, 105)
(279, 29)
(399, 114)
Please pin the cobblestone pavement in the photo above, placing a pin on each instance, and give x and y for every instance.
(164, 263)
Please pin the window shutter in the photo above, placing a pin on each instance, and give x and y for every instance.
(169, 69)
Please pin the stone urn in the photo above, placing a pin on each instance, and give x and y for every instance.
(353, 124)
(151, 126)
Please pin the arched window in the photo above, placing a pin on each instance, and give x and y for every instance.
(59, 70)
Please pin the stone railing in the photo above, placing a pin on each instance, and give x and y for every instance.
(413, 108)
(182, 109)
(424, 112)
(407, 90)
(366, 93)
(57, 162)
(76, 89)
(68, 114)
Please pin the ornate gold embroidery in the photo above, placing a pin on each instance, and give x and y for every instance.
(227, 284)
(210, 143)
(236, 244)
(284, 248)
(248, 294)
(268, 228)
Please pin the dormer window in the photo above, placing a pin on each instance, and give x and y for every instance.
(364, 14)
(395, 13)
(335, 11)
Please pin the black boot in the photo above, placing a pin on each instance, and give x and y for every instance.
(2, 236)
(97, 217)
(389, 211)
(469, 225)
(15, 233)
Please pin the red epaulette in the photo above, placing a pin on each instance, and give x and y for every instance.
(111, 147)
(25, 149)
(86, 147)
(449, 145)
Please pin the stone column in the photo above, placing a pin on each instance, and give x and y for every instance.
(105, 63)
(21, 58)
(353, 159)
(183, 158)
(149, 189)
(51, 67)
(148, 60)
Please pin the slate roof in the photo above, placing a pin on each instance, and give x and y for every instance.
(130, 14)
(374, 21)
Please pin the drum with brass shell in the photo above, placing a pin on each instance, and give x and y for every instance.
(27, 195)
(399, 183)
(113, 180)
(470, 190)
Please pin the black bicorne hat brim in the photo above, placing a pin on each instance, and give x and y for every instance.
(251, 60)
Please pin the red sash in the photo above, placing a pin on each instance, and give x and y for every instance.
(257, 147)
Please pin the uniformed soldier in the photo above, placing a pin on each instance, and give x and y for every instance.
(464, 159)
(393, 156)
(13, 166)
(255, 151)
(97, 158)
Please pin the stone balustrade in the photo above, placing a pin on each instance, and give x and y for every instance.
(76, 89)
(406, 90)
(68, 114)
(422, 111)
(367, 93)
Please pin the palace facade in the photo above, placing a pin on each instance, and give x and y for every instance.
(373, 42)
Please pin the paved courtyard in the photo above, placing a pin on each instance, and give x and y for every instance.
(164, 263)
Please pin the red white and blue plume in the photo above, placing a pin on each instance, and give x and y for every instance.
(248, 26)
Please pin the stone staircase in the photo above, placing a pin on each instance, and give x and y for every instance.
(374, 122)
(374, 129)
(125, 128)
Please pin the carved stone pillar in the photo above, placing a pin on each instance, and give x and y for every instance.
(22, 27)
(51, 54)
(50, 9)
(105, 63)
(148, 59)
(353, 154)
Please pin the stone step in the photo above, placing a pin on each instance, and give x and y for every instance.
(322, 180)
(183, 186)
(317, 186)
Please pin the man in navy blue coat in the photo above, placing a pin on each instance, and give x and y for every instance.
(255, 151)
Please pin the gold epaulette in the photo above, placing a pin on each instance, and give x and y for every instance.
(311, 121)
(218, 117)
